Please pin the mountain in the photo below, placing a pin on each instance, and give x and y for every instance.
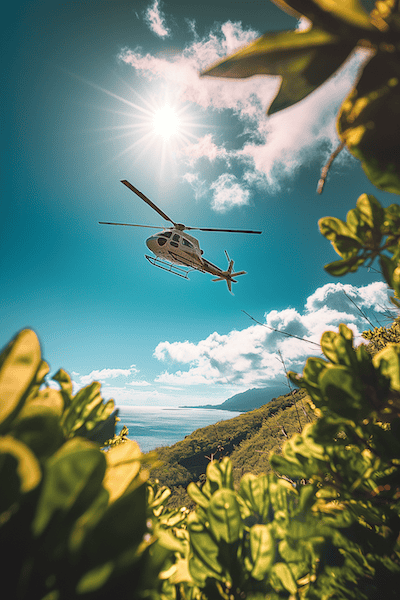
(248, 400)
(247, 439)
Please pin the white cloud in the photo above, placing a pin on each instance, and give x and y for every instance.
(228, 192)
(156, 20)
(250, 357)
(198, 185)
(181, 71)
(103, 374)
(273, 148)
(203, 148)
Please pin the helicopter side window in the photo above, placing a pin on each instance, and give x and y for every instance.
(175, 240)
(161, 241)
(187, 243)
(166, 234)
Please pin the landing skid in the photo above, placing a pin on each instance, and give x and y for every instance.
(170, 267)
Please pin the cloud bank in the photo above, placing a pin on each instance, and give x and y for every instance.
(219, 366)
(252, 357)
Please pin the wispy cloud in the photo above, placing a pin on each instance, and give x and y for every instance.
(103, 375)
(274, 148)
(198, 185)
(156, 20)
(250, 357)
(204, 147)
(228, 192)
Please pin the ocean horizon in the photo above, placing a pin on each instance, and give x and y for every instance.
(155, 426)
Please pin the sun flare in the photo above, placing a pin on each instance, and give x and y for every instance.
(154, 126)
(166, 122)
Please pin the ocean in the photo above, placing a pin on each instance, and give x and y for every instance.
(155, 426)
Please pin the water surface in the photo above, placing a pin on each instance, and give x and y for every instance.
(155, 426)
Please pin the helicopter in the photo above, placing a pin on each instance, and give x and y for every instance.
(178, 252)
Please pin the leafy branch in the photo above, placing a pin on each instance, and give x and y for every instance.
(368, 122)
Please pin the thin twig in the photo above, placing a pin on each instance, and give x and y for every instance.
(279, 331)
(359, 309)
(291, 390)
(325, 170)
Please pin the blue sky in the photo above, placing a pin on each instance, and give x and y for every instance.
(82, 86)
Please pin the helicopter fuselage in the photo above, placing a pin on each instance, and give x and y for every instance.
(175, 246)
(178, 247)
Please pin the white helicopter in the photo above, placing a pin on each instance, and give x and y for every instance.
(178, 252)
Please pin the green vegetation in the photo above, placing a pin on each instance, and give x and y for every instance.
(75, 521)
(247, 439)
(81, 522)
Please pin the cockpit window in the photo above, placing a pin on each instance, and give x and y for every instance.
(175, 237)
(166, 234)
(186, 243)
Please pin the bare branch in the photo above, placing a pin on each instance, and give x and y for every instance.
(358, 308)
(325, 170)
(282, 332)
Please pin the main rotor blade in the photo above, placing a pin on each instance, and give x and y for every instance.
(147, 200)
(227, 230)
(132, 225)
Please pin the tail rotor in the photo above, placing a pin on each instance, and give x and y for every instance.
(228, 275)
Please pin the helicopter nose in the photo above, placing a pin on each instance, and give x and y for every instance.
(151, 243)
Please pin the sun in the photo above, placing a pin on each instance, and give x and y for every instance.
(157, 125)
(166, 122)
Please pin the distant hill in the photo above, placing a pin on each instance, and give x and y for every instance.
(247, 438)
(248, 400)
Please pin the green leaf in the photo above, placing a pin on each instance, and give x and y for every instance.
(369, 121)
(388, 266)
(95, 578)
(39, 428)
(254, 490)
(342, 238)
(122, 526)
(75, 466)
(86, 411)
(219, 475)
(388, 363)
(204, 560)
(284, 574)
(224, 516)
(350, 11)
(313, 369)
(19, 361)
(65, 383)
(197, 495)
(338, 268)
(262, 550)
(123, 465)
(330, 13)
(371, 211)
(338, 347)
(343, 390)
(304, 60)
(19, 469)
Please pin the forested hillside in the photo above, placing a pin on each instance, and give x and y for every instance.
(247, 439)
